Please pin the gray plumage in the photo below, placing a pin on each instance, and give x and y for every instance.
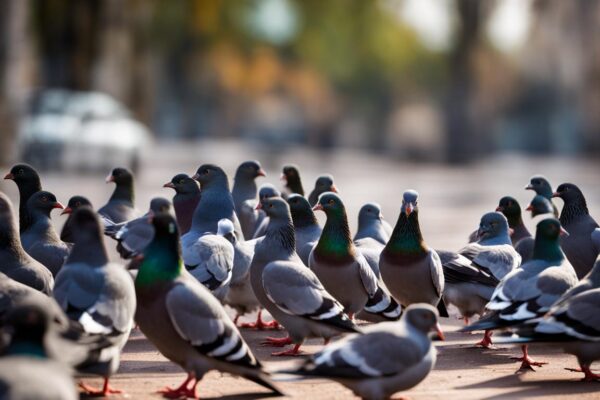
(187, 196)
(15, 262)
(66, 233)
(121, 204)
(372, 225)
(389, 357)
(306, 227)
(267, 191)
(240, 295)
(244, 193)
(324, 183)
(40, 240)
(541, 186)
(538, 207)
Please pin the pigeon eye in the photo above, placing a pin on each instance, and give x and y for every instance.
(332, 202)
(77, 204)
(44, 199)
(181, 181)
(270, 205)
(368, 210)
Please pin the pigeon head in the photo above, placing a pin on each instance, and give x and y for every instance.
(410, 201)
(24, 174)
(423, 317)
(540, 185)
(276, 208)
(120, 176)
(369, 212)
(249, 170)
(74, 203)
(550, 228)
(43, 202)
(290, 173)
(324, 183)
(331, 204)
(164, 225)
(86, 224)
(208, 174)
(29, 322)
(226, 229)
(160, 205)
(302, 213)
(183, 184)
(569, 193)
(540, 205)
(511, 209)
(493, 225)
(547, 245)
(268, 191)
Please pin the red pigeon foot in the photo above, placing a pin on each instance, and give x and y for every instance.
(104, 392)
(486, 342)
(183, 391)
(295, 351)
(276, 342)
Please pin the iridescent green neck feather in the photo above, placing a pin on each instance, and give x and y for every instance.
(162, 262)
(335, 244)
(547, 249)
(406, 239)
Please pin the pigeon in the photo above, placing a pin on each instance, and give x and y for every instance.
(98, 294)
(16, 263)
(540, 185)
(240, 295)
(293, 183)
(411, 270)
(306, 226)
(292, 293)
(529, 291)
(184, 320)
(538, 206)
(120, 206)
(387, 358)
(335, 256)
(244, 191)
(132, 236)
(267, 191)
(26, 370)
(28, 183)
(371, 225)
(575, 218)
(40, 240)
(187, 196)
(473, 273)
(511, 209)
(323, 184)
(66, 234)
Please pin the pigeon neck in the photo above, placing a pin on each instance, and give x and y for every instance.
(547, 249)
(9, 237)
(514, 220)
(304, 218)
(499, 239)
(294, 184)
(123, 192)
(89, 249)
(26, 190)
(26, 347)
(545, 191)
(41, 224)
(406, 238)
(162, 262)
(215, 203)
(280, 234)
(573, 209)
(244, 188)
(335, 243)
(184, 210)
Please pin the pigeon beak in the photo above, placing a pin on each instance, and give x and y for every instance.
(563, 232)
(318, 207)
(511, 231)
(169, 185)
(150, 216)
(556, 194)
(196, 176)
(528, 187)
(67, 210)
(334, 189)
(529, 208)
(110, 178)
(9, 176)
(499, 208)
(138, 257)
(58, 205)
(261, 172)
(409, 209)
(258, 206)
(438, 330)
(283, 177)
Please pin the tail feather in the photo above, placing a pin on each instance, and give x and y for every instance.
(384, 305)
(490, 321)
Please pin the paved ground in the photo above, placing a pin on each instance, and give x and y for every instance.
(451, 203)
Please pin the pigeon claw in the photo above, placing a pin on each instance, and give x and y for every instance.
(276, 342)
(260, 324)
(589, 375)
(183, 391)
(104, 392)
(527, 363)
(486, 342)
(294, 352)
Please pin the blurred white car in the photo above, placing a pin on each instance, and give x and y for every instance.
(64, 129)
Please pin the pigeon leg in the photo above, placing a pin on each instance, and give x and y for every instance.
(295, 351)
(183, 391)
(277, 342)
(589, 375)
(526, 361)
(486, 342)
(104, 392)
(260, 324)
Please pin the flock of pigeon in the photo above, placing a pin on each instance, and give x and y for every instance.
(65, 307)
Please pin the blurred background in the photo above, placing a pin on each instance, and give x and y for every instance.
(498, 89)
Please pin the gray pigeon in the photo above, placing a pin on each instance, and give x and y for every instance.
(336, 256)
(540, 185)
(411, 270)
(40, 240)
(26, 371)
(99, 295)
(528, 292)
(16, 263)
(267, 191)
(28, 183)
(121, 205)
(511, 209)
(293, 183)
(244, 191)
(575, 218)
(371, 224)
(306, 227)
(187, 196)
(184, 321)
(388, 358)
(473, 273)
(538, 206)
(292, 293)
(66, 234)
(323, 184)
